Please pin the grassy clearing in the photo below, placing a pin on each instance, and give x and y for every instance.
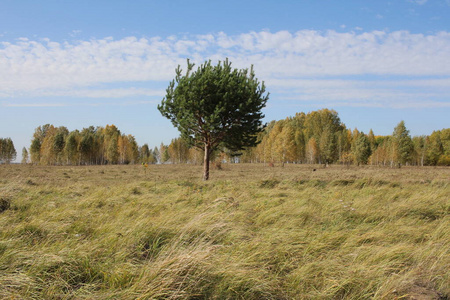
(252, 232)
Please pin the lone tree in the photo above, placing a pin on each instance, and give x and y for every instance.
(215, 106)
(7, 151)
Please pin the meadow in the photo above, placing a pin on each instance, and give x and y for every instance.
(251, 232)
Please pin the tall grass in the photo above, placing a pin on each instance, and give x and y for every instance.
(252, 232)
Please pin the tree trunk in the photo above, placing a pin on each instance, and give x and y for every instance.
(206, 162)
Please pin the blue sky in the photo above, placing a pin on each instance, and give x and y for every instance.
(82, 63)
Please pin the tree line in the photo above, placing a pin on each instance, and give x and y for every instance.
(318, 137)
(91, 146)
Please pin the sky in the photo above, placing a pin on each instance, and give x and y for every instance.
(82, 63)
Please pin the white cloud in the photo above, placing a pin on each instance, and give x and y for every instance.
(283, 59)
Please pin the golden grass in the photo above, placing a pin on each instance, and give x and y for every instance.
(251, 232)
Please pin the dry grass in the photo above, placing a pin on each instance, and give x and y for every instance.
(251, 232)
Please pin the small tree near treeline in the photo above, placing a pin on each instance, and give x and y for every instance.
(215, 106)
(7, 151)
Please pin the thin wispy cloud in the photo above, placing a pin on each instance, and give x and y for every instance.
(7, 104)
(300, 62)
(102, 93)
(419, 2)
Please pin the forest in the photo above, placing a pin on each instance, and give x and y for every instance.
(318, 137)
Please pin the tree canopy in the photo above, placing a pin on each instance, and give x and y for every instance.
(215, 106)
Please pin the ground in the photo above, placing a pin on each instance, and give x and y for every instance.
(251, 232)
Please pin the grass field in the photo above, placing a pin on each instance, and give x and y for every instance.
(251, 232)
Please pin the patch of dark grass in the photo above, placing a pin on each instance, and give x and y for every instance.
(317, 183)
(32, 234)
(5, 204)
(342, 182)
(427, 214)
(3, 248)
(282, 195)
(439, 184)
(73, 274)
(311, 183)
(361, 183)
(136, 191)
(301, 182)
(268, 183)
(369, 182)
(45, 192)
(380, 183)
(152, 242)
(21, 208)
(100, 204)
(30, 182)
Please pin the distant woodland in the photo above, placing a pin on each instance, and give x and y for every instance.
(318, 137)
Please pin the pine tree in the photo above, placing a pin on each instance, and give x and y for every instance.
(361, 149)
(144, 154)
(215, 107)
(403, 143)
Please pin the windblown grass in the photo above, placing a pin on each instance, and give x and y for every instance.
(251, 232)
